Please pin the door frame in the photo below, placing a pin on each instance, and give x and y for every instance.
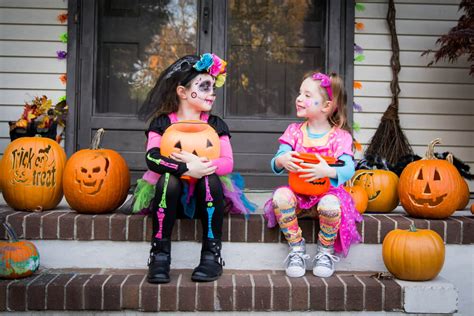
(82, 47)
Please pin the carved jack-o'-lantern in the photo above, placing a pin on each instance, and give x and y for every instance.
(91, 175)
(96, 180)
(381, 187)
(196, 137)
(429, 188)
(316, 187)
(32, 171)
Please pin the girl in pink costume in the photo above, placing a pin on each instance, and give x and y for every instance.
(321, 101)
(186, 91)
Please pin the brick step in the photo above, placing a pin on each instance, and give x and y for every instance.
(65, 224)
(115, 290)
(111, 290)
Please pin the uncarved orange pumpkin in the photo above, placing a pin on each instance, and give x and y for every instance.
(18, 259)
(359, 196)
(414, 254)
(429, 188)
(381, 187)
(196, 137)
(96, 180)
(472, 208)
(32, 172)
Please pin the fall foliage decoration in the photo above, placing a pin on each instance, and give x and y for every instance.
(381, 187)
(430, 187)
(62, 18)
(195, 137)
(414, 254)
(18, 259)
(32, 173)
(359, 196)
(96, 180)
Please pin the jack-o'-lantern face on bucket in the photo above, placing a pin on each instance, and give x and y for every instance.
(91, 174)
(195, 137)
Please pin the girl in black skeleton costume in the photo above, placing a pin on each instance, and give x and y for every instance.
(185, 91)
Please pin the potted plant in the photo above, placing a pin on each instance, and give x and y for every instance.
(40, 117)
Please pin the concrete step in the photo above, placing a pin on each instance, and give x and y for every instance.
(115, 290)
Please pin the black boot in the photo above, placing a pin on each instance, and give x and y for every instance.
(159, 261)
(210, 266)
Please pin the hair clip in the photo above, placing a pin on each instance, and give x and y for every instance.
(325, 82)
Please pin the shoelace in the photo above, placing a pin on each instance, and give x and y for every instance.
(328, 262)
(296, 258)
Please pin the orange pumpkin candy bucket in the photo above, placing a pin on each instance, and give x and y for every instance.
(196, 137)
(316, 187)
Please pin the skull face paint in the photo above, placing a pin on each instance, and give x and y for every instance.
(202, 93)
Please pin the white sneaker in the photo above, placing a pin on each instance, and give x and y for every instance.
(324, 262)
(295, 261)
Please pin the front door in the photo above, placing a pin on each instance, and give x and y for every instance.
(269, 46)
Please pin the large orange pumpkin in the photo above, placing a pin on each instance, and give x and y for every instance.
(429, 188)
(32, 172)
(316, 187)
(18, 259)
(196, 137)
(381, 187)
(414, 254)
(96, 180)
(359, 196)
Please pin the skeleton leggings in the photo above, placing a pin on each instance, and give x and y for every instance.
(286, 212)
(209, 205)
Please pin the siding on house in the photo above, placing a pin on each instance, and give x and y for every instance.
(29, 39)
(434, 102)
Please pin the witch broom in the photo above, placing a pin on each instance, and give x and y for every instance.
(389, 144)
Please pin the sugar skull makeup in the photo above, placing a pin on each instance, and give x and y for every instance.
(203, 87)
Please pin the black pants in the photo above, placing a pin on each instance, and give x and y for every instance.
(168, 207)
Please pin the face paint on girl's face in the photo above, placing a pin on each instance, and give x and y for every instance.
(206, 86)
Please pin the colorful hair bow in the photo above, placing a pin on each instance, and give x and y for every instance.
(325, 82)
(214, 65)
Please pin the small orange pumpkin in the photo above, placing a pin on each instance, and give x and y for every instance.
(96, 180)
(472, 208)
(414, 254)
(429, 188)
(316, 187)
(32, 173)
(381, 187)
(359, 196)
(196, 137)
(18, 259)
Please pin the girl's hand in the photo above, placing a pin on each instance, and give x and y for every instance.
(198, 168)
(184, 156)
(288, 161)
(317, 171)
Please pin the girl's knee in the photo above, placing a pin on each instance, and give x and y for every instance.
(329, 203)
(168, 181)
(284, 198)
